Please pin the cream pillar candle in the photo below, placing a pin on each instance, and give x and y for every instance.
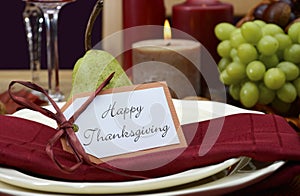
(176, 61)
(112, 24)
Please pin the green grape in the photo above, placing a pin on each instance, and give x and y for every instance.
(255, 70)
(287, 93)
(260, 23)
(223, 63)
(235, 31)
(223, 30)
(247, 53)
(267, 45)
(234, 91)
(226, 79)
(249, 94)
(280, 106)
(294, 31)
(233, 53)
(280, 55)
(236, 59)
(234, 56)
(236, 39)
(292, 53)
(251, 32)
(236, 71)
(274, 78)
(271, 29)
(266, 95)
(290, 69)
(284, 41)
(297, 86)
(269, 61)
(224, 48)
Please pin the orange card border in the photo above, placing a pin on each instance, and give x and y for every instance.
(145, 86)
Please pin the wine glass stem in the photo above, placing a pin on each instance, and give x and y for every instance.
(51, 17)
(33, 20)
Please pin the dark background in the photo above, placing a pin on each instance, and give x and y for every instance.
(72, 23)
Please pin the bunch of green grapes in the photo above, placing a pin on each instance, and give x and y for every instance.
(260, 63)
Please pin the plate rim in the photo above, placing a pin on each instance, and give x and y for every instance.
(17, 178)
(238, 180)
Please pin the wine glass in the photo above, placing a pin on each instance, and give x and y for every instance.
(33, 20)
(51, 10)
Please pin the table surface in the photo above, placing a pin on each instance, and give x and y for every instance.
(6, 76)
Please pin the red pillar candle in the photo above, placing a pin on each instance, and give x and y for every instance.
(137, 13)
(199, 18)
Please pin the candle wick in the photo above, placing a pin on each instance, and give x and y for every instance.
(168, 44)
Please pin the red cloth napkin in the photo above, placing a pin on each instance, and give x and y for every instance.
(282, 182)
(11, 106)
(262, 137)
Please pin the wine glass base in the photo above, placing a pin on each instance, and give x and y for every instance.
(38, 94)
(57, 97)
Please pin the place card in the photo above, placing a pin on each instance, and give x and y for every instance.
(126, 121)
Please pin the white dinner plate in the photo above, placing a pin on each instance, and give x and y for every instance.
(17, 178)
(217, 187)
(227, 184)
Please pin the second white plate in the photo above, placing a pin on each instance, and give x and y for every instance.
(221, 186)
(19, 179)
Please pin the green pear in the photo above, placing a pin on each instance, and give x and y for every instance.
(93, 68)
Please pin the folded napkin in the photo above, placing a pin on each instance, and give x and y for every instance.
(11, 106)
(262, 137)
(285, 181)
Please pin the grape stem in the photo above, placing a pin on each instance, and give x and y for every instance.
(250, 14)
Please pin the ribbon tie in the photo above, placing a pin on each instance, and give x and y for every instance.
(66, 128)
